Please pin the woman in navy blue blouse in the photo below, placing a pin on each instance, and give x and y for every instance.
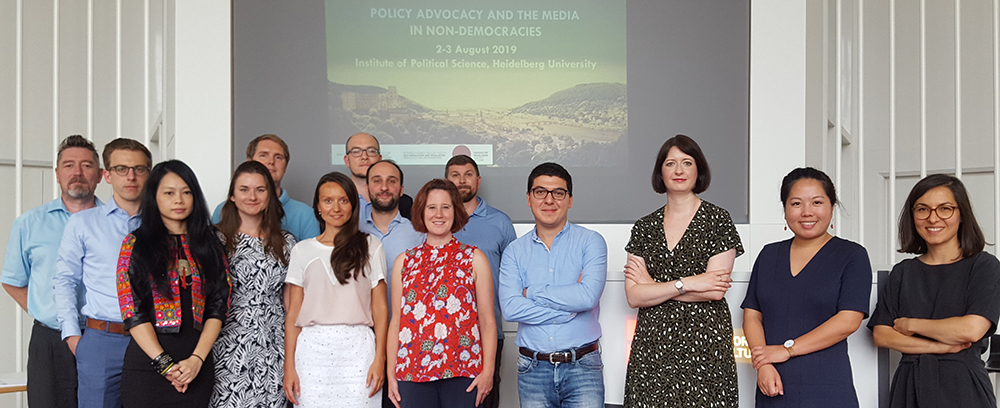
(806, 295)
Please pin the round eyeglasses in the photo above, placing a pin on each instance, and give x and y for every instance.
(943, 211)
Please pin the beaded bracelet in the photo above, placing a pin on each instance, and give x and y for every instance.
(162, 363)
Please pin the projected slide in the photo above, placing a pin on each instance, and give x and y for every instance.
(512, 83)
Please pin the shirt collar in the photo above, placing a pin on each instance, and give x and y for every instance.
(59, 205)
(111, 206)
(367, 217)
(534, 234)
(284, 198)
(480, 210)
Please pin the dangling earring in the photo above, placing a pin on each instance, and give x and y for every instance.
(831, 225)
(786, 228)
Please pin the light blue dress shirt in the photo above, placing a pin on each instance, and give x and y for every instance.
(88, 255)
(401, 236)
(31, 257)
(365, 206)
(490, 230)
(558, 313)
(298, 220)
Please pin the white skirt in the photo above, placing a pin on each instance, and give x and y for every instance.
(332, 363)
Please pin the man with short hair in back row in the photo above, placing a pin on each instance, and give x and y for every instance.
(490, 230)
(271, 151)
(381, 219)
(551, 281)
(88, 260)
(30, 264)
(361, 151)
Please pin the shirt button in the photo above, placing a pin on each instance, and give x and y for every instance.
(550, 270)
(550, 338)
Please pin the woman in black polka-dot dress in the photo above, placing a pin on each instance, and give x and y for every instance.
(679, 262)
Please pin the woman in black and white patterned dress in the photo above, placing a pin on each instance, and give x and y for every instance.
(249, 354)
(677, 274)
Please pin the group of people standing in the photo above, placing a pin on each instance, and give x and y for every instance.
(806, 295)
(371, 298)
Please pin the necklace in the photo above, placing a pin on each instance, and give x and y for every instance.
(183, 268)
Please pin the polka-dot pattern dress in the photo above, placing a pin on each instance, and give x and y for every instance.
(682, 353)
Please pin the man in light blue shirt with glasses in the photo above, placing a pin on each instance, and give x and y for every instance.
(30, 264)
(551, 281)
(88, 258)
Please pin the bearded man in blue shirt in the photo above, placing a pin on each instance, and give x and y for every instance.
(551, 281)
(490, 230)
(30, 264)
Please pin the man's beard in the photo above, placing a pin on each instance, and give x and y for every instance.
(390, 206)
(467, 194)
(81, 191)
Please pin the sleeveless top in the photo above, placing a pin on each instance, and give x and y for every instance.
(439, 324)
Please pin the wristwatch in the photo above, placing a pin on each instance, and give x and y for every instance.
(679, 285)
(788, 346)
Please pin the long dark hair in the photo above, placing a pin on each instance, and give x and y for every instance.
(350, 245)
(229, 224)
(151, 253)
(970, 236)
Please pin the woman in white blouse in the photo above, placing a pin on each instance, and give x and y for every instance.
(337, 296)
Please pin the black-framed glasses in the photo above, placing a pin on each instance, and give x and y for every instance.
(539, 193)
(943, 211)
(123, 170)
(356, 152)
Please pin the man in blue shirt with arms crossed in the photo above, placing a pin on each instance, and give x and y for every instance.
(490, 230)
(88, 257)
(30, 263)
(272, 152)
(551, 281)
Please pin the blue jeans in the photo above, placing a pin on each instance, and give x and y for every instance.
(99, 357)
(580, 384)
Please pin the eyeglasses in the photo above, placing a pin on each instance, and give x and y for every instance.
(123, 170)
(944, 211)
(539, 193)
(356, 152)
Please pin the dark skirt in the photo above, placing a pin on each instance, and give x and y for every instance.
(144, 387)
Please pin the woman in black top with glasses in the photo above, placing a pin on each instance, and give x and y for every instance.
(939, 308)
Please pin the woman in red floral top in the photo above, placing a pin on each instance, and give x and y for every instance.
(443, 333)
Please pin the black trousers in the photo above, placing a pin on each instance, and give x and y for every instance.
(51, 370)
(492, 399)
(448, 393)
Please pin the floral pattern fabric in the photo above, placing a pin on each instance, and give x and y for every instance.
(439, 323)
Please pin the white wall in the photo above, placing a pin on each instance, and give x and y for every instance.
(104, 69)
(159, 71)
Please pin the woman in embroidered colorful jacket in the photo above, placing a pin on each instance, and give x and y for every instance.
(173, 289)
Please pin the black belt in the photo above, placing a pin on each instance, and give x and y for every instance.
(567, 356)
